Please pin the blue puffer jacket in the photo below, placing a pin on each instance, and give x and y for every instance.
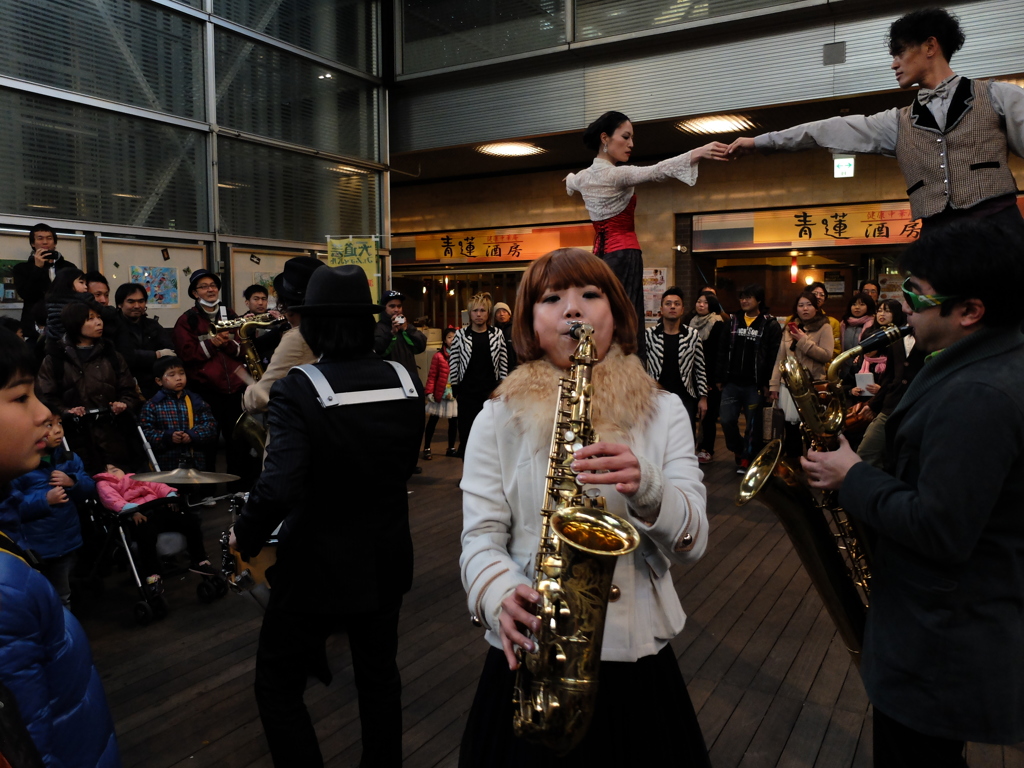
(51, 531)
(46, 663)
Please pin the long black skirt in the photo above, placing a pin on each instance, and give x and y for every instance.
(643, 716)
(628, 266)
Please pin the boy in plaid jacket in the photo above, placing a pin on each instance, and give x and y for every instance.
(178, 424)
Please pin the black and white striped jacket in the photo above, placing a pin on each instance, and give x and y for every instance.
(691, 358)
(462, 349)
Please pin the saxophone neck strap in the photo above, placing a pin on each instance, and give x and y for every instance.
(328, 398)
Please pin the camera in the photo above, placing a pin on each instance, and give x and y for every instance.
(50, 255)
(399, 319)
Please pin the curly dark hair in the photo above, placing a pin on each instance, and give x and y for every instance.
(917, 26)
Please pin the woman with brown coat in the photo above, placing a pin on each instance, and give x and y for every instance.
(87, 373)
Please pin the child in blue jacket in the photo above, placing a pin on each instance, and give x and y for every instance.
(47, 510)
(55, 712)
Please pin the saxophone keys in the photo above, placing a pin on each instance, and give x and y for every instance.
(570, 436)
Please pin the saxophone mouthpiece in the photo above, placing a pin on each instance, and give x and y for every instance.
(883, 338)
(576, 329)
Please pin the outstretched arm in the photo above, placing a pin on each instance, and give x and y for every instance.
(682, 167)
(861, 134)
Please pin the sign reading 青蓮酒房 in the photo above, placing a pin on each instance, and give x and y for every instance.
(489, 245)
(815, 227)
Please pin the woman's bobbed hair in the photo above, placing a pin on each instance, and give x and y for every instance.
(714, 305)
(811, 298)
(566, 268)
(73, 317)
(895, 307)
(868, 302)
(606, 123)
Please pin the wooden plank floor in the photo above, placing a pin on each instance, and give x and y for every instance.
(770, 680)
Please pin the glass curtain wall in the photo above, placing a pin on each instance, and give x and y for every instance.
(444, 33)
(112, 122)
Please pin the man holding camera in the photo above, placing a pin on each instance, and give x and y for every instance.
(32, 277)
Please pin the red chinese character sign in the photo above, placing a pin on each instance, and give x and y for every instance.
(488, 245)
(812, 227)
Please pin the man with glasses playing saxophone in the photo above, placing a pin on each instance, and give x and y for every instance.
(943, 657)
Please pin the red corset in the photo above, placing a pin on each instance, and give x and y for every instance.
(617, 233)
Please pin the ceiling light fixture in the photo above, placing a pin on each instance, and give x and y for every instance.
(510, 149)
(712, 124)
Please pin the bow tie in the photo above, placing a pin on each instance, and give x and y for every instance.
(941, 91)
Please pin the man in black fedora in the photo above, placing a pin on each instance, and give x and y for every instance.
(344, 558)
(290, 288)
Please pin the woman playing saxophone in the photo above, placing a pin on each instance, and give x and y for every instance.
(643, 463)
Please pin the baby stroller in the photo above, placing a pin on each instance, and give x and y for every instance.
(118, 531)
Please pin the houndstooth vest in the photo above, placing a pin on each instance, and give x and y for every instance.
(961, 166)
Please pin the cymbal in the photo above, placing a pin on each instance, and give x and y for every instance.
(186, 476)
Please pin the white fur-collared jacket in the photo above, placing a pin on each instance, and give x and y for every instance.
(503, 491)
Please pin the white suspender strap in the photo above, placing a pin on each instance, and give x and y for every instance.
(328, 398)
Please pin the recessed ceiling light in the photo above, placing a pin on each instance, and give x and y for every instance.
(347, 169)
(126, 194)
(711, 124)
(510, 149)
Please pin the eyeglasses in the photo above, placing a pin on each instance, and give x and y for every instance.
(204, 286)
(920, 301)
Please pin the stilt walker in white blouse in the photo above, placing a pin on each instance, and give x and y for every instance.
(607, 189)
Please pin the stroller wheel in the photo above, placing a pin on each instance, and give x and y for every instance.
(143, 613)
(206, 592)
(221, 587)
(160, 607)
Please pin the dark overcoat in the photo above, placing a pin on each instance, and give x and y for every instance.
(942, 648)
(337, 478)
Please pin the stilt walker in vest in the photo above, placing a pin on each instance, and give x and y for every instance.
(951, 143)
(607, 189)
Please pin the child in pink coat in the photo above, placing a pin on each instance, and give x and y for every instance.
(122, 493)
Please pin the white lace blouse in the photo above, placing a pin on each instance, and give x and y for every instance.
(607, 188)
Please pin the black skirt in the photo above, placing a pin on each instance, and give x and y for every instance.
(643, 716)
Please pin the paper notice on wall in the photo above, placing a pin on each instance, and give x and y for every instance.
(655, 283)
(361, 251)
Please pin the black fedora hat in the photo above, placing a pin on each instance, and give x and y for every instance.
(338, 291)
(290, 286)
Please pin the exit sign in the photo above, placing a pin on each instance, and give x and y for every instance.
(842, 166)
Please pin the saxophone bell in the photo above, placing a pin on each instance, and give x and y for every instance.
(833, 547)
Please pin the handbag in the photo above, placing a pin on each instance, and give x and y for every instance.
(448, 394)
(773, 424)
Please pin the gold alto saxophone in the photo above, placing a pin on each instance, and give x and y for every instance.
(831, 545)
(580, 542)
(248, 428)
